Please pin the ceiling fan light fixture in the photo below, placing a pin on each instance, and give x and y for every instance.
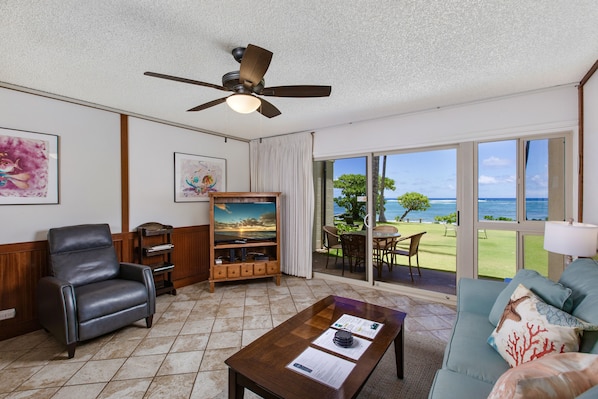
(243, 103)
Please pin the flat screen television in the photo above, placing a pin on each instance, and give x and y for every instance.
(248, 222)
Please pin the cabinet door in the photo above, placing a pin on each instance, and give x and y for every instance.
(247, 269)
(233, 271)
(272, 267)
(259, 269)
(219, 272)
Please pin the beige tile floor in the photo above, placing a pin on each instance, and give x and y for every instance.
(182, 355)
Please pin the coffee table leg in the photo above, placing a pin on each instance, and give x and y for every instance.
(235, 391)
(399, 354)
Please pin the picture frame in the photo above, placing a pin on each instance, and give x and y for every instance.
(28, 168)
(195, 176)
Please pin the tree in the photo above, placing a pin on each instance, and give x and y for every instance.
(381, 215)
(353, 186)
(448, 219)
(413, 202)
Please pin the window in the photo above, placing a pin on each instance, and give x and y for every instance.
(521, 184)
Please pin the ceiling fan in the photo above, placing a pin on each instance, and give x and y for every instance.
(248, 82)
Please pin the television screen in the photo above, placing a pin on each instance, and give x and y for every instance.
(252, 221)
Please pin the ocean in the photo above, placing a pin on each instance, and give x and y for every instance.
(537, 209)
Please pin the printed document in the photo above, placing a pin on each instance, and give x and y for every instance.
(322, 367)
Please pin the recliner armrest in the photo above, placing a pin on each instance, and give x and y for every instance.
(134, 271)
(57, 309)
(143, 274)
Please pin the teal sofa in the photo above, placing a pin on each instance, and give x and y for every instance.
(470, 366)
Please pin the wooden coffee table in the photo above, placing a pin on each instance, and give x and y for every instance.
(261, 365)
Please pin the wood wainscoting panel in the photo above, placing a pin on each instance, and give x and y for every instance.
(21, 267)
(23, 264)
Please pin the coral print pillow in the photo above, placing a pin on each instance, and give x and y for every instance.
(530, 329)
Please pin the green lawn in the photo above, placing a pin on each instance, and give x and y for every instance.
(496, 252)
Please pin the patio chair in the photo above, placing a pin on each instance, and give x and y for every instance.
(353, 249)
(382, 246)
(413, 250)
(331, 241)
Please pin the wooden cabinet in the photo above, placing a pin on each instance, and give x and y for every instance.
(244, 236)
(154, 249)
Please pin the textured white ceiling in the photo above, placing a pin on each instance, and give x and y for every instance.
(381, 57)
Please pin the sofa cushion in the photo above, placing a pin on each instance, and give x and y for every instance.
(552, 293)
(451, 385)
(581, 277)
(530, 329)
(562, 376)
(108, 297)
(467, 351)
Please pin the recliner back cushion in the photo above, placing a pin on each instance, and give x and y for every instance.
(82, 254)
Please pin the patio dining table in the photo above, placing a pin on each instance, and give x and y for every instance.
(383, 240)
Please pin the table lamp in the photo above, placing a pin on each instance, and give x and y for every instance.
(571, 239)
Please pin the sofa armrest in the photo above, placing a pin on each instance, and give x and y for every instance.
(57, 309)
(142, 274)
(477, 295)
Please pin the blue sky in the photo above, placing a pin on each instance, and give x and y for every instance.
(433, 173)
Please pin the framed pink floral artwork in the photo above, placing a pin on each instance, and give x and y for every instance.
(28, 167)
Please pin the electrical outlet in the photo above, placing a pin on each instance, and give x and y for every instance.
(8, 314)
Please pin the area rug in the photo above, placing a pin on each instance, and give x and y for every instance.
(423, 356)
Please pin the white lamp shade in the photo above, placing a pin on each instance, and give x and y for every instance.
(243, 103)
(574, 239)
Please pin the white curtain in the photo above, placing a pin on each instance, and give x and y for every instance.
(284, 164)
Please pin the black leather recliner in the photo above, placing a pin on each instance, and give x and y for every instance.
(89, 293)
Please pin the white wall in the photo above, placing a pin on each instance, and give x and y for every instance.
(90, 169)
(537, 112)
(89, 165)
(540, 112)
(151, 181)
(590, 191)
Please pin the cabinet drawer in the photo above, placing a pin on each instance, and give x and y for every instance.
(219, 272)
(259, 269)
(272, 267)
(233, 271)
(247, 269)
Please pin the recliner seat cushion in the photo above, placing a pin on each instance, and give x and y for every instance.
(107, 297)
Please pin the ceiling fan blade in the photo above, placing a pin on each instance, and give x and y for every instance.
(254, 65)
(297, 91)
(208, 104)
(267, 109)
(185, 80)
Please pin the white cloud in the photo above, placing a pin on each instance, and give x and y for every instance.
(539, 181)
(487, 180)
(495, 161)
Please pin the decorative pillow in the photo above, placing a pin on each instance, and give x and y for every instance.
(530, 329)
(563, 375)
(554, 294)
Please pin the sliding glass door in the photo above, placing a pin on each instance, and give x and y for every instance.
(340, 234)
(410, 219)
(417, 195)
